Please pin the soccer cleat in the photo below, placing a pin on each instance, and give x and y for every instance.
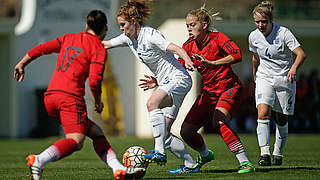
(155, 157)
(35, 169)
(184, 169)
(203, 160)
(264, 160)
(277, 160)
(246, 167)
(129, 173)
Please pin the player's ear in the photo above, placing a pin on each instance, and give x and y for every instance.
(204, 25)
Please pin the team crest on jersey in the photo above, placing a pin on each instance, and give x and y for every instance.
(276, 41)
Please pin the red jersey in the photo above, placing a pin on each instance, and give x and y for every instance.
(81, 55)
(214, 46)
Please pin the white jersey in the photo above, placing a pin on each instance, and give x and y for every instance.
(275, 50)
(150, 48)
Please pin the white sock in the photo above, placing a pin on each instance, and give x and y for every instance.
(281, 138)
(158, 123)
(48, 155)
(177, 147)
(203, 151)
(242, 157)
(263, 133)
(111, 159)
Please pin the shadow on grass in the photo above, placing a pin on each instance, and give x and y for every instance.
(266, 169)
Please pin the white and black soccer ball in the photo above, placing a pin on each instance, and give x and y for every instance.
(132, 157)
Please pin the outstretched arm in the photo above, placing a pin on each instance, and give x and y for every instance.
(42, 49)
(183, 54)
(18, 73)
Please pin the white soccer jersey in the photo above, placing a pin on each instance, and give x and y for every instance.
(150, 48)
(275, 51)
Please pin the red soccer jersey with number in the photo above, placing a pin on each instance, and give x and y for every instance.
(214, 46)
(81, 55)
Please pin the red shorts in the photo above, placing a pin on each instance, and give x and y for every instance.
(203, 108)
(69, 111)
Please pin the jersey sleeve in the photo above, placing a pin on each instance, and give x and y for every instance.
(96, 71)
(229, 46)
(120, 40)
(157, 39)
(252, 48)
(49, 47)
(290, 41)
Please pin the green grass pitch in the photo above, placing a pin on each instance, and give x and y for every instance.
(302, 160)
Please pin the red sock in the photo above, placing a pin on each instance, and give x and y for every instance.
(231, 139)
(101, 146)
(195, 142)
(66, 147)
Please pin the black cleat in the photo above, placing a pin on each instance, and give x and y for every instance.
(277, 160)
(264, 160)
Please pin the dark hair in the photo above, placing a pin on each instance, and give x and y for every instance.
(137, 9)
(97, 21)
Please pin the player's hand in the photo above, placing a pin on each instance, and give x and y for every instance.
(99, 107)
(291, 76)
(18, 73)
(189, 66)
(203, 60)
(148, 83)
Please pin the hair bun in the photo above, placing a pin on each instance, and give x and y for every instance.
(266, 4)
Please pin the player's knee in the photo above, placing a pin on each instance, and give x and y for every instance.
(263, 116)
(152, 105)
(79, 141)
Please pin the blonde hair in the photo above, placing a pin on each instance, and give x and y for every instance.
(265, 9)
(205, 15)
(136, 9)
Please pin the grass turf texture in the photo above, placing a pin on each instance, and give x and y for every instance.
(302, 160)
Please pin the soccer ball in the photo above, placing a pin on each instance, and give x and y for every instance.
(132, 157)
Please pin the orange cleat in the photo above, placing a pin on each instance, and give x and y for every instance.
(129, 173)
(35, 169)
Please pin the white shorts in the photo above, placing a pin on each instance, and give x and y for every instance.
(177, 87)
(277, 93)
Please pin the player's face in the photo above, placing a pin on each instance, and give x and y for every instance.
(126, 26)
(195, 27)
(264, 24)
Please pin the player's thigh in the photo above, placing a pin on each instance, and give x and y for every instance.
(73, 116)
(285, 96)
(51, 102)
(228, 103)
(177, 88)
(264, 92)
(155, 99)
(200, 113)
